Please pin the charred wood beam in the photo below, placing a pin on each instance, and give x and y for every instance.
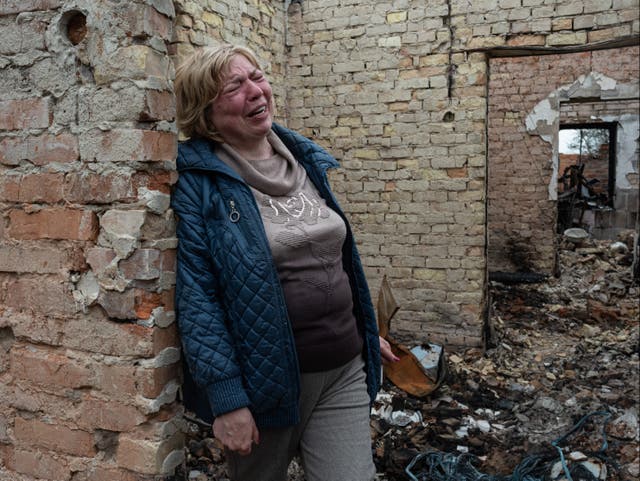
(517, 277)
(526, 50)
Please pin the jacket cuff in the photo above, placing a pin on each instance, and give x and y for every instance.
(227, 395)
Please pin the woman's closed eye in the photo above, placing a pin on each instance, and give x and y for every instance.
(231, 87)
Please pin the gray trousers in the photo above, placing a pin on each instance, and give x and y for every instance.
(333, 437)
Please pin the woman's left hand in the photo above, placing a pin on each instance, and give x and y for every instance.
(385, 351)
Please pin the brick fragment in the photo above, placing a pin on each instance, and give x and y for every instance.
(111, 104)
(38, 464)
(158, 226)
(146, 455)
(396, 17)
(41, 188)
(608, 33)
(160, 180)
(128, 145)
(39, 150)
(99, 258)
(45, 294)
(23, 36)
(165, 337)
(32, 327)
(132, 62)
(118, 380)
(10, 188)
(40, 260)
(558, 24)
(526, 40)
(9, 7)
(159, 106)
(89, 187)
(54, 437)
(146, 302)
(122, 225)
(53, 223)
(49, 367)
(118, 305)
(96, 333)
(567, 38)
(146, 20)
(24, 114)
(110, 415)
(169, 259)
(143, 264)
(152, 381)
(461, 172)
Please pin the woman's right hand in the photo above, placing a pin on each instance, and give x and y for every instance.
(237, 430)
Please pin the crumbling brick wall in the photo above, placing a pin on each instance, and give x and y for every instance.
(522, 212)
(89, 354)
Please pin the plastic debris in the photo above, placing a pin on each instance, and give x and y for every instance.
(576, 235)
(383, 409)
(417, 375)
(430, 357)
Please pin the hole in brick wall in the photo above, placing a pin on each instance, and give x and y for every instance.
(107, 442)
(6, 337)
(6, 341)
(74, 25)
(448, 117)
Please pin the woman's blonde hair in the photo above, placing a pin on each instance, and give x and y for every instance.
(198, 82)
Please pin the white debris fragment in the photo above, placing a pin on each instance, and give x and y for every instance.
(403, 418)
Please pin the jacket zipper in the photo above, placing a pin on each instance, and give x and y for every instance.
(234, 215)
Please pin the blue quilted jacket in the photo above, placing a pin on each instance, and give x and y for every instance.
(236, 336)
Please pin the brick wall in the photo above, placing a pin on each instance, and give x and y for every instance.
(398, 92)
(88, 347)
(373, 86)
(257, 24)
(521, 212)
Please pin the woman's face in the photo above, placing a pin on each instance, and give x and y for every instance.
(241, 112)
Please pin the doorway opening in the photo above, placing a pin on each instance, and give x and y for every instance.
(586, 167)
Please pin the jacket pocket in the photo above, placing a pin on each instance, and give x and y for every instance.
(245, 225)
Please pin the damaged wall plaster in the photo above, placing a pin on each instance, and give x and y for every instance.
(543, 120)
(627, 142)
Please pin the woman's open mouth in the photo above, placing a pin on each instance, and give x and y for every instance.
(258, 111)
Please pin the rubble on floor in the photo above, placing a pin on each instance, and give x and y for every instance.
(563, 353)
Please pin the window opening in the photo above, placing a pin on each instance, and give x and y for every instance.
(586, 182)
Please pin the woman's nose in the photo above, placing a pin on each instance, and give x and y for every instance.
(254, 89)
